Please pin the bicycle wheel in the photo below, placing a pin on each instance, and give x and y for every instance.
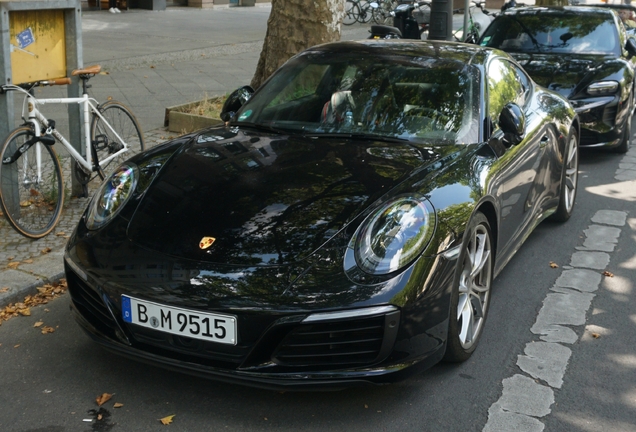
(382, 14)
(366, 13)
(30, 199)
(352, 11)
(109, 140)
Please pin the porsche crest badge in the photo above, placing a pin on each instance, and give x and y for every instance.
(206, 242)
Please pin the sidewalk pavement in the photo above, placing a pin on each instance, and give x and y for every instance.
(150, 60)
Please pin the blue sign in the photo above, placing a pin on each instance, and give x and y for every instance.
(126, 310)
(25, 38)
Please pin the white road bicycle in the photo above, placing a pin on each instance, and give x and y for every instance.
(31, 182)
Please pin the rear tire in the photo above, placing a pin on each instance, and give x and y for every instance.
(569, 178)
(105, 142)
(471, 290)
(31, 203)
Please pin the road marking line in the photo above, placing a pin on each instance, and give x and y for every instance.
(524, 400)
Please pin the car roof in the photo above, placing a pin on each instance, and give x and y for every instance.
(585, 9)
(453, 51)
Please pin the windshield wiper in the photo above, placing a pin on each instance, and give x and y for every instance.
(262, 127)
(356, 135)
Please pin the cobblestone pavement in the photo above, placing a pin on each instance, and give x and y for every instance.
(15, 247)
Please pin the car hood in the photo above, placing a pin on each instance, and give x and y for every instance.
(568, 74)
(233, 196)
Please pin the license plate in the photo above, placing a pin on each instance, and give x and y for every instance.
(211, 327)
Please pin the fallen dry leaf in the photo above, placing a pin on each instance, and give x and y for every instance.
(553, 264)
(28, 261)
(13, 264)
(15, 346)
(46, 250)
(38, 324)
(608, 274)
(596, 335)
(99, 417)
(4, 289)
(45, 293)
(167, 420)
(152, 66)
(118, 405)
(47, 329)
(60, 233)
(101, 400)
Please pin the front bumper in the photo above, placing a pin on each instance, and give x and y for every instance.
(603, 120)
(271, 359)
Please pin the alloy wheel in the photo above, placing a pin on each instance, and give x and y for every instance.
(474, 286)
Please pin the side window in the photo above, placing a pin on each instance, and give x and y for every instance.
(505, 84)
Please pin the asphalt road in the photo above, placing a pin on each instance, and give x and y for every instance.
(49, 382)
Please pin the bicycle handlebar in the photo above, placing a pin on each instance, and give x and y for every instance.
(27, 86)
(57, 81)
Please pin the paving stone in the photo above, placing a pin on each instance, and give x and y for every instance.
(545, 361)
(522, 395)
(610, 217)
(601, 238)
(562, 308)
(592, 260)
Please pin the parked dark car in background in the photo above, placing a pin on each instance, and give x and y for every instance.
(343, 228)
(584, 54)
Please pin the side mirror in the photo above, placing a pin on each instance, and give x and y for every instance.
(630, 46)
(512, 122)
(235, 101)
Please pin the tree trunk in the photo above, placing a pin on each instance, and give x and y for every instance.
(293, 26)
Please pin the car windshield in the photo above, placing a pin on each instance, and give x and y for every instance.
(360, 95)
(554, 32)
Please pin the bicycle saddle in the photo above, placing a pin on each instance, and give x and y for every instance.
(88, 70)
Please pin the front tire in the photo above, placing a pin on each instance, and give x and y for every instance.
(471, 290)
(30, 199)
(626, 139)
(105, 142)
(569, 178)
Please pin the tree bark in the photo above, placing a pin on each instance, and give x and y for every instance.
(293, 26)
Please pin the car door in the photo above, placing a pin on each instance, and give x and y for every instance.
(523, 170)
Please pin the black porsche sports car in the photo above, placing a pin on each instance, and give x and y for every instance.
(584, 54)
(343, 228)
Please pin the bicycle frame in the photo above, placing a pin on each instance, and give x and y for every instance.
(89, 105)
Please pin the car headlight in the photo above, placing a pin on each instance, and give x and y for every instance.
(602, 88)
(394, 235)
(111, 196)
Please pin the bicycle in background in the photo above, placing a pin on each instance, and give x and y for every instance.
(31, 182)
(363, 11)
(479, 18)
